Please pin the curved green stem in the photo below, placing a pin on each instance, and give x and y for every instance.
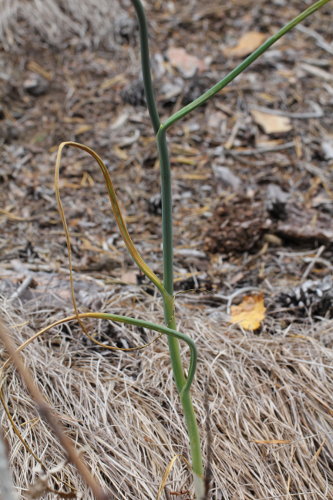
(169, 312)
(130, 321)
(242, 66)
(166, 198)
(166, 210)
(170, 332)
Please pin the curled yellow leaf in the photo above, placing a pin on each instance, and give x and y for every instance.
(250, 313)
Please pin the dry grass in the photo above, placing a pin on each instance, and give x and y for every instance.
(59, 22)
(269, 400)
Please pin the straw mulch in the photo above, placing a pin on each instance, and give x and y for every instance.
(266, 397)
(56, 22)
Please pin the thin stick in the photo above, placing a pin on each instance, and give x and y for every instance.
(22, 288)
(46, 413)
(313, 262)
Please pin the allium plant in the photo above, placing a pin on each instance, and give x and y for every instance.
(183, 381)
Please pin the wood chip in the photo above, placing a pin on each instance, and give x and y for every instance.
(271, 124)
(249, 42)
(184, 62)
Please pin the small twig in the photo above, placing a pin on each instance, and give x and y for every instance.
(255, 151)
(323, 262)
(21, 289)
(320, 73)
(321, 42)
(313, 262)
(231, 297)
(46, 413)
(316, 113)
(229, 143)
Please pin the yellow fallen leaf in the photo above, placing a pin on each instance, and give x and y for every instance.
(249, 42)
(250, 312)
(271, 124)
(120, 153)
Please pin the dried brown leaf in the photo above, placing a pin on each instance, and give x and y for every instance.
(271, 124)
(246, 44)
(184, 62)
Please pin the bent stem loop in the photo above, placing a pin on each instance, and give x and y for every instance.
(116, 211)
(183, 383)
(163, 330)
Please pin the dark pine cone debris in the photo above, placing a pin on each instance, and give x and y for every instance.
(238, 225)
(134, 93)
(315, 297)
(155, 204)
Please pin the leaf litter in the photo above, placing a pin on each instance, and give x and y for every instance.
(269, 393)
(250, 313)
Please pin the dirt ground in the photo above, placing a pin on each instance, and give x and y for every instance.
(233, 225)
(252, 170)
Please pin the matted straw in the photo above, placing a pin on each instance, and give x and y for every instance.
(55, 22)
(269, 400)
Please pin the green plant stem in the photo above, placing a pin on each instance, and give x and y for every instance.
(167, 237)
(145, 64)
(169, 313)
(166, 195)
(160, 131)
(195, 445)
(166, 210)
(242, 66)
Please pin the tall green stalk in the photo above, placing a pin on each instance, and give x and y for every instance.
(169, 311)
(160, 130)
(145, 64)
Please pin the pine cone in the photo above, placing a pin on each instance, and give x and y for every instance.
(314, 296)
